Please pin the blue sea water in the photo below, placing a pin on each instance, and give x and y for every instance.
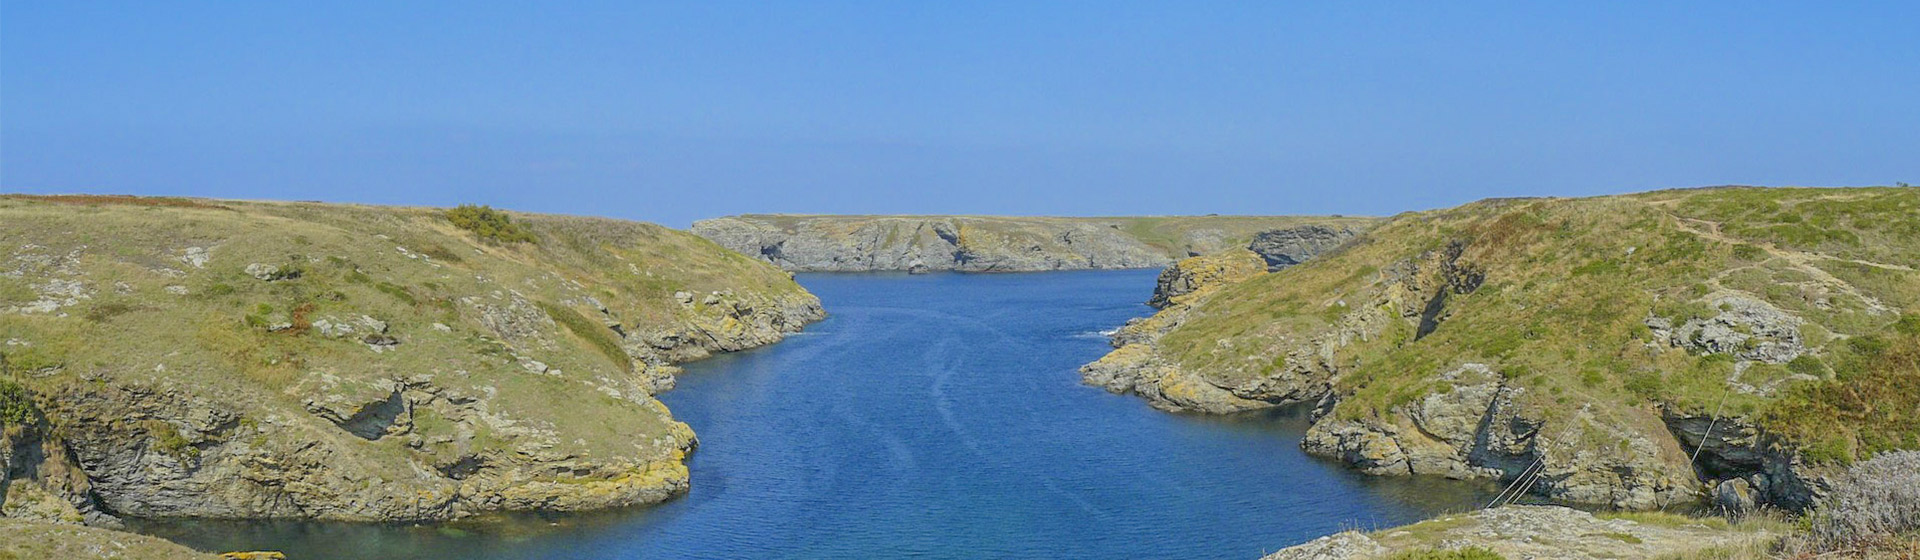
(934, 416)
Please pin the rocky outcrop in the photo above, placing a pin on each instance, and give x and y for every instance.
(1741, 466)
(332, 362)
(1533, 532)
(1010, 244)
(1743, 326)
(1285, 247)
(1183, 280)
(1477, 428)
(1553, 344)
(1300, 370)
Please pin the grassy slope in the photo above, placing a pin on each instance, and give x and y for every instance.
(34, 540)
(149, 318)
(1167, 234)
(1570, 283)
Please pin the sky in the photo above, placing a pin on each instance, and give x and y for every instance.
(672, 112)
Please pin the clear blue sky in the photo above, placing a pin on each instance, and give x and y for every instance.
(674, 112)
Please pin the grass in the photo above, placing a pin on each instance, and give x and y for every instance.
(1568, 286)
(430, 282)
(1167, 237)
(598, 335)
(37, 540)
(1468, 553)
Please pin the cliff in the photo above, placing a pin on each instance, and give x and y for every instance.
(1013, 244)
(199, 358)
(1634, 351)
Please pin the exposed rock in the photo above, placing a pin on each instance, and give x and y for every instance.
(1732, 448)
(1286, 247)
(1344, 545)
(483, 392)
(1187, 278)
(196, 256)
(1735, 497)
(991, 244)
(271, 273)
(1747, 328)
(1303, 370)
(1522, 532)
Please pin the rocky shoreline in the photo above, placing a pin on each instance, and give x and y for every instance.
(1474, 419)
(393, 369)
(804, 243)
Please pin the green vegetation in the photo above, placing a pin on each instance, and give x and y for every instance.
(1171, 236)
(601, 337)
(39, 540)
(156, 298)
(16, 404)
(489, 224)
(1569, 286)
(1469, 553)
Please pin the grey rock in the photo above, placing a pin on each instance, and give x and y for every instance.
(1339, 546)
(1526, 532)
(1744, 327)
(1733, 496)
(973, 244)
(271, 273)
(1734, 448)
(1282, 248)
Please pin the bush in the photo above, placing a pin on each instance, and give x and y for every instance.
(16, 404)
(1875, 502)
(489, 224)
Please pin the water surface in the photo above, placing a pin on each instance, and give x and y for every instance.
(936, 416)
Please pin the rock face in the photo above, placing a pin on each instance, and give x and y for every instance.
(1603, 360)
(1009, 244)
(1181, 281)
(1528, 532)
(267, 360)
(1480, 429)
(1742, 466)
(1286, 247)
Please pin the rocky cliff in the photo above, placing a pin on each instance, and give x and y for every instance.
(197, 358)
(1635, 351)
(1011, 244)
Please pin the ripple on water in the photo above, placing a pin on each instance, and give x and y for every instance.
(935, 416)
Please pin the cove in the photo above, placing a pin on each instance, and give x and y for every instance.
(933, 416)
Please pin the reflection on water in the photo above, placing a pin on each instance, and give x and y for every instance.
(935, 416)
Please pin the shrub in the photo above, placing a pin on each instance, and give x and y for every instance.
(489, 224)
(16, 404)
(1876, 501)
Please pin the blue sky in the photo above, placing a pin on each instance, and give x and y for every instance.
(675, 112)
